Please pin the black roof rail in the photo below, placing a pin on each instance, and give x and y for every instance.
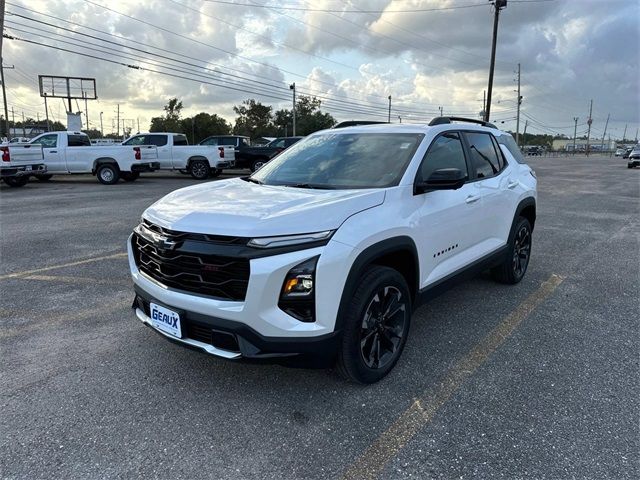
(355, 123)
(445, 120)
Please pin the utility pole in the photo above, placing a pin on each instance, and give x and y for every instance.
(118, 121)
(498, 5)
(24, 131)
(293, 87)
(605, 132)
(400, 118)
(518, 114)
(86, 109)
(636, 135)
(389, 117)
(193, 121)
(589, 122)
(624, 135)
(440, 108)
(575, 131)
(46, 111)
(101, 129)
(4, 91)
(524, 134)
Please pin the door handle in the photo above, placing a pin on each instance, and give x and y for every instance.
(472, 198)
(512, 184)
(53, 151)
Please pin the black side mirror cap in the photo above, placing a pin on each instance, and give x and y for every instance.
(442, 179)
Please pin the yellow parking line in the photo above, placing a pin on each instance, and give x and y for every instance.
(63, 265)
(422, 411)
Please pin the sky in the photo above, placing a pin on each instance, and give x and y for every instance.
(352, 55)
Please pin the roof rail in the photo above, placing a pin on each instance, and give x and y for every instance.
(355, 123)
(445, 120)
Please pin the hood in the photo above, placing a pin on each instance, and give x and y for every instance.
(238, 208)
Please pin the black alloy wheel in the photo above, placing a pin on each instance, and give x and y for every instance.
(17, 181)
(521, 250)
(375, 325)
(382, 327)
(199, 169)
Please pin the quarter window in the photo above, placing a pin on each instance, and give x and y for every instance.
(445, 152)
(483, 154)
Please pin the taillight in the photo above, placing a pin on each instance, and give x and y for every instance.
(5, 154)
(138, 153)
(221, 150)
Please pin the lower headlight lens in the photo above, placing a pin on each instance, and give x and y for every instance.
(298, 293)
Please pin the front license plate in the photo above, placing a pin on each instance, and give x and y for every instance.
(166, 320)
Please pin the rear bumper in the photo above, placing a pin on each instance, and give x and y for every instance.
(22, 170)
(225, 164)
(234, 340)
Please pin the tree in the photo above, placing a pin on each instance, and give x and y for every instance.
(170, 121)
(309, 118)
(204, 125)
(93, 133)
(254, 119)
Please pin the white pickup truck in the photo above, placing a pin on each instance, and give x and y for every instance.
(175, 153)
(71, 152)
(19, 161)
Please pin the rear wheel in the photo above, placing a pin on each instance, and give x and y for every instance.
(44, 178)
(215, 172)
(516, 261)
(376, 326)
(130, 176)
(199, 169)
(16, 181)
(108, 174)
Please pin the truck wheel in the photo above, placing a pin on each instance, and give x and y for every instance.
(258, 164)
(44, 178)
(376, 326)
(108, 174)
(130, 176)
(199, 169)
(516, 261)
(16, 181)
(215, 172)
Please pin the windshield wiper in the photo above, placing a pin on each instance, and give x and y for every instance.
(253, 180)
(319, 186)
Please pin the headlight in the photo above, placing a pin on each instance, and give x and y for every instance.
(297, 297)
(287, 240)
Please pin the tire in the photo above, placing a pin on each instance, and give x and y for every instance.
(516, 261)
(199, 169)
(44, 178)
(215, 172)
(130, 176)
(16, 181)
(256, 164)
(365, 330)
(108, 174)
(629, 165)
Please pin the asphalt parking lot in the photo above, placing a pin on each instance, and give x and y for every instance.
(540, 380)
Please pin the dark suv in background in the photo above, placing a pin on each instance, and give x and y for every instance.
(251, 157)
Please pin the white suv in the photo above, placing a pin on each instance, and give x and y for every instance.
(327, 250)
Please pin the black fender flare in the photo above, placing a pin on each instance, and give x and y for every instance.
(367, 257)
(101, 161)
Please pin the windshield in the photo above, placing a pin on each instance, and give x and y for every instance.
(340, 161)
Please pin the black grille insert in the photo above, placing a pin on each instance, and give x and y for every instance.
(211, 275)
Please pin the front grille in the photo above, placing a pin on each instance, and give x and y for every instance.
(211, 275)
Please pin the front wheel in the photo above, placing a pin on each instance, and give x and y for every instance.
(257, 164)
(376, 326)
(199, 169)
(516, 261)
(108, 174)
(16, 181)
(130, 176)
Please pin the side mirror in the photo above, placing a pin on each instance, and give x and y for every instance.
(442, 179)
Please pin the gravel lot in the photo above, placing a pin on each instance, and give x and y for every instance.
(88, 392)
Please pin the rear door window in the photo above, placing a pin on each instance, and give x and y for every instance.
(179, 140)
(484, 157)
(79, 141)
(157, 140)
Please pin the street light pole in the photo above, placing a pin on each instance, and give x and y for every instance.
(575, 131)
(293, 87)
(498, 4)
(389, 117)
(101, 128)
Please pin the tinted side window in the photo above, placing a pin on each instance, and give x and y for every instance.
(244, 142)
(290, 141)
(157, 140)
(278, 143)
(501, 160)
(49, 141)
(508, 141)
(445, 152)
(79, 141)
(210, 141)
(227, 141)
(483, 154)
(137, 140)
(179, 140)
